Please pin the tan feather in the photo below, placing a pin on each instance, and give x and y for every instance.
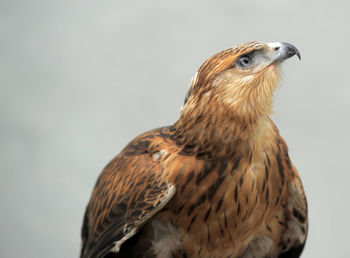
(218, 183)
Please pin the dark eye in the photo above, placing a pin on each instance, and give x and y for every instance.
(244, 62)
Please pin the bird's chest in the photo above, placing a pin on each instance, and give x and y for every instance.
(224, 204)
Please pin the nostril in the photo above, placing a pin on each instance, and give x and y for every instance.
(276, 48)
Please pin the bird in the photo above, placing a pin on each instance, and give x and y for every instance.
(218, 182)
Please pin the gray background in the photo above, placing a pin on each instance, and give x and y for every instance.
(79, 79)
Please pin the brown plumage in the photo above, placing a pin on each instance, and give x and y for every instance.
(217, 183)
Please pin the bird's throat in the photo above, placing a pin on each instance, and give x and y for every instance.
(218, 136)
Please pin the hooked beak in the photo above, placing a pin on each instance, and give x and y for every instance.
(280, 51)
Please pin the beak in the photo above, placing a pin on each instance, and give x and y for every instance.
(280, 51)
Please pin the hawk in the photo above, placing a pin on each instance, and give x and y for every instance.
(217, 183)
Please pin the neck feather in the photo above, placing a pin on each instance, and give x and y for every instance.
(213, 132)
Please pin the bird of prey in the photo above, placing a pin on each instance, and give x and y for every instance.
(217, 183)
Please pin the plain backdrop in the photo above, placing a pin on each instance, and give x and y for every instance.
(80, 79)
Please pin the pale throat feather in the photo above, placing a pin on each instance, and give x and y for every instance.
(248, 95)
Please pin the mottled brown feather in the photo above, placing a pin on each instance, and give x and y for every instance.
(237, 192)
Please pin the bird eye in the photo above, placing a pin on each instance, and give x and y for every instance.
(244, 62)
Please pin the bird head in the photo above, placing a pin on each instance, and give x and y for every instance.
(239, 81)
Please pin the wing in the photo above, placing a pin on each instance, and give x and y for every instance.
(294, 238)
(295, 227)
(129, 191)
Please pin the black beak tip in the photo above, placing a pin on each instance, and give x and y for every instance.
(292, 50)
